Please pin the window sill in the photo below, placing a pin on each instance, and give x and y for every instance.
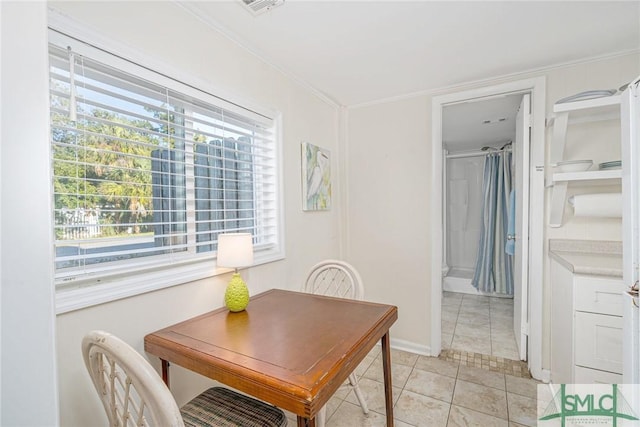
(116, 288)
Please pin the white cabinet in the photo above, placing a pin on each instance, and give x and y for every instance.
(586, 327)
(598, 342)
(606, 108)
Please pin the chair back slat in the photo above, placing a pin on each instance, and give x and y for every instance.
(130, 389)
(134, 395)
(334, 278)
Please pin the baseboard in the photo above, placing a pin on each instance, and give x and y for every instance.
(410, 347)
(544, 375)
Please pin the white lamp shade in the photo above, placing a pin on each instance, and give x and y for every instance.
(235, 250)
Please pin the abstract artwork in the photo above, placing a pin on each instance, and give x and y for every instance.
(316, 178)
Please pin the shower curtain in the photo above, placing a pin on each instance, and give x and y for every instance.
(494, 268)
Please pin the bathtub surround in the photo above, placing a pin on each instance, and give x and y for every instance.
(463, 201)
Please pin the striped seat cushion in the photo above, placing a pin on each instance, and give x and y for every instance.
(222, 407)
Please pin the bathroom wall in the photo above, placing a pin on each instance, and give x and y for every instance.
(463, 204)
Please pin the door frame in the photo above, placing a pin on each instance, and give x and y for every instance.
(537, 88)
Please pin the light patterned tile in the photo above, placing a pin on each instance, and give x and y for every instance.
(501, 334)
(452, 295)
(471, 344)
(501, 309)
(373, 392)
(522, 410)
(446, 340)
(403, 357)
(375, 351)
(364, 365)
(501, 318)
(475, 299)
(482, 376)
(527, 387)
(419, 410)
(350, 415)
(474, 318)
(449, 316)
(505, 349)
(474, 312)
(448, 327)
(451, 302)
(497, 302)
(470, 330)
(437, 365)
(487, 400)
(333, 404)
(399, 373)
(431, 384)
(465, 417)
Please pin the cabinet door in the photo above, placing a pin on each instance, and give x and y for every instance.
(598, 342)
(594, 376)
(599, 295)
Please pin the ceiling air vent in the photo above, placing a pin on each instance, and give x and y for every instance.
(260, 6)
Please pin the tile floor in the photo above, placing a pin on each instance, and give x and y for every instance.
(478, 324)
(435, 392)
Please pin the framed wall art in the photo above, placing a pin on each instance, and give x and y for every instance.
(316, 178)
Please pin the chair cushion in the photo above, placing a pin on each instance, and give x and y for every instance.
(222, 407)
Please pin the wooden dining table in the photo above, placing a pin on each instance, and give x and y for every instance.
(291, 349)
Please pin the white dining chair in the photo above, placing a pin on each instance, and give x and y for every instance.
(133, 394)
(338, 279)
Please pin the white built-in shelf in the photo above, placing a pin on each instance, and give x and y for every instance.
(598, 104)
(605, 108)
(594, 175)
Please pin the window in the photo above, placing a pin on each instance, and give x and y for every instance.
(148, 171)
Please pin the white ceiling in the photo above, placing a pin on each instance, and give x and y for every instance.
(359, 52)
(463, 128)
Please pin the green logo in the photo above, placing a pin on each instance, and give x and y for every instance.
(590, 407)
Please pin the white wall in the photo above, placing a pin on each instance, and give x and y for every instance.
(463, 204)
(28, 386)
(389, 194)
(388, 214)
(185, 43)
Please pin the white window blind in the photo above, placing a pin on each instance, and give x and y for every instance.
(148, 171)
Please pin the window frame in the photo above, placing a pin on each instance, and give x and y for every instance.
(98, 290)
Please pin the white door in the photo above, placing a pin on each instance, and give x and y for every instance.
(630, 128)
(521, 256)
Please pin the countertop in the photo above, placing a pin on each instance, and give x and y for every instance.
(595, 257)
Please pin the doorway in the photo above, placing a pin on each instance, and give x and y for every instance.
(484, 141)
(530, 302)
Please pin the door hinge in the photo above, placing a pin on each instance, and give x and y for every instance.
(525, 329)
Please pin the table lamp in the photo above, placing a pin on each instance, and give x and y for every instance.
(235, 251)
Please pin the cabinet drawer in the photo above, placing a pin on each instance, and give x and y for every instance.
(593, 376)
(599, 295)
(598, 342)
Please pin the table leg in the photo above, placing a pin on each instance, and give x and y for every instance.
(165, 372)
(306, 422)
(386, 367)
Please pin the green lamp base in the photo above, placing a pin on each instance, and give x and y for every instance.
(236, 297)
